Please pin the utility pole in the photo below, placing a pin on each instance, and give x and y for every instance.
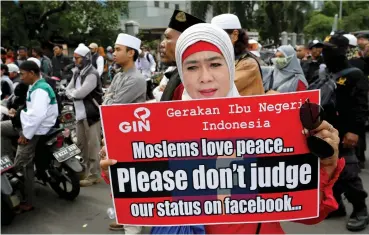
(340, 9)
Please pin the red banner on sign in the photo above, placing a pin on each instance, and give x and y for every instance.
(231, 160)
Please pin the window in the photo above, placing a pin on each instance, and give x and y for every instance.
(166, 4)
(177, 6)
(156, 3)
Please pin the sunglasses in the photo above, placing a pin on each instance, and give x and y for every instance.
(311, 116)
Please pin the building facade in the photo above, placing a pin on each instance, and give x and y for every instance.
(152, 14)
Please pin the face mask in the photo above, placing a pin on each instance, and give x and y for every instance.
(281, 62)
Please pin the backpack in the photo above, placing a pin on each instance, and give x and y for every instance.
(326, 83)
(247, 55)
(148, 57)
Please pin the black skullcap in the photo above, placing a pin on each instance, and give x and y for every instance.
(180, 21)
(315, 43)
(363, 35)
(337, 40)
(30, 66)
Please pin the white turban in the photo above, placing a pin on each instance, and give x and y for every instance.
(82, 50)
(37, 61)
(211, 34)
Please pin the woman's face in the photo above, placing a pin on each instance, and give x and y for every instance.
(206, 75)
(279, 54)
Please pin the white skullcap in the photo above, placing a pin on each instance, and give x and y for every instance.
(226, 21)
(128, 41)
(13, 68)
(37, 61)
(81, 44)
(253, 41)
(109, 48)
(82, 50)
(93, 45)
(211, 34)
(352, 39)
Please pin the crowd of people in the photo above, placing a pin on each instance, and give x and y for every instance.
(338, 66)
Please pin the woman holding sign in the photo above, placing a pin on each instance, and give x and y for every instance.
(204, 56)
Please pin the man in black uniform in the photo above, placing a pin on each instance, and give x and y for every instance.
(179, 22)
(350, 113)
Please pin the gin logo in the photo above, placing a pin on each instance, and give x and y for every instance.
(142, 124)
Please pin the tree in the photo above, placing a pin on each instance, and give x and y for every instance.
(319, 26)
(330, 8)
(274, 17)
(357, 21)
(60, 21)
(355, 16)
(200, 8)
(242, 9)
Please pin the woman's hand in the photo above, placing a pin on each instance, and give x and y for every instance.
(105, 162)
(329, 134)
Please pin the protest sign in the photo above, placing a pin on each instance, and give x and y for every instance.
(232, 160)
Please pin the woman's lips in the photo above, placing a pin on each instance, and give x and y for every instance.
(208, 92)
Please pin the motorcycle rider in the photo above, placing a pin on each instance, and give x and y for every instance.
(36, 119)
(6, 83)
(14, 74)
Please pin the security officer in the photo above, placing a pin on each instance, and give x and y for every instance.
(350, 114)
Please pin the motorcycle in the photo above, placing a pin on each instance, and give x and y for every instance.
(68, 117)
(10, 196)
(57, 162)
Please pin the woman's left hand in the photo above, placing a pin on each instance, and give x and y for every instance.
(329, 134)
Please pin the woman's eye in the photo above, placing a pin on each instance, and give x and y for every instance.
(215, 65)
(191, 68)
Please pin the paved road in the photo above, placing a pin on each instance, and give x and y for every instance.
(87, 214)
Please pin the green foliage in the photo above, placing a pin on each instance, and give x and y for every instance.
(200, 8)
(70, 21)
(357, 21)
(274, 17)
(319, 26)
(330, 8)
(355, 16)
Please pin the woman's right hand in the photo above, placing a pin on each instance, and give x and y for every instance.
(105, 163)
